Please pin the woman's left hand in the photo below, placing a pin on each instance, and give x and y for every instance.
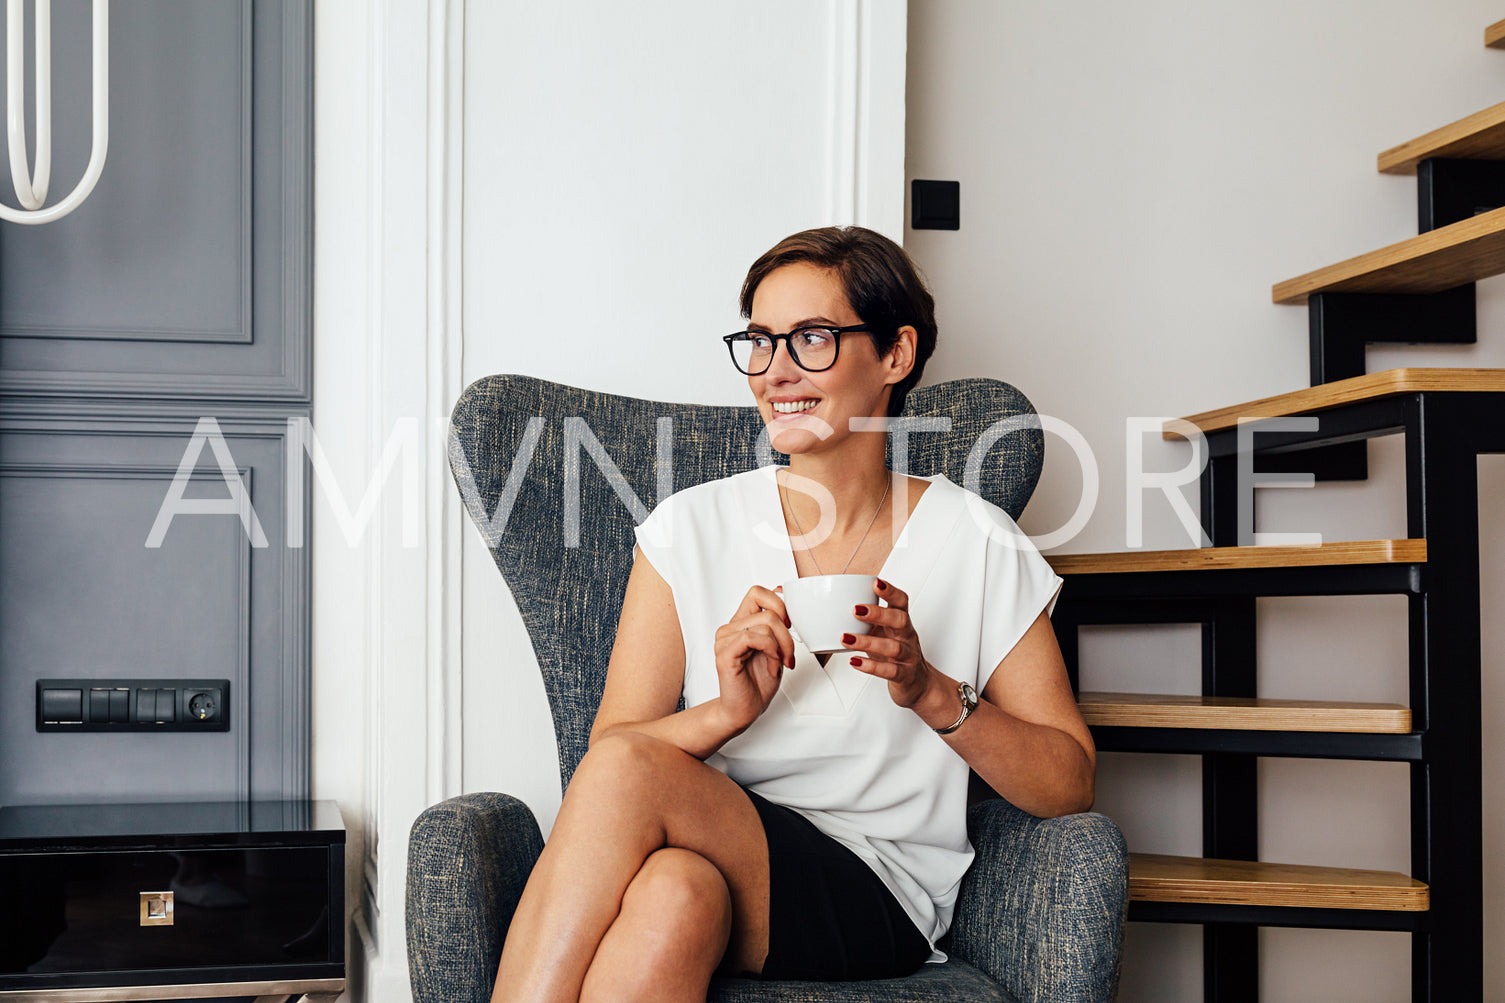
(891, 648)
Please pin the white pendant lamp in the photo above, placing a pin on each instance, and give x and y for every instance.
(31, 183)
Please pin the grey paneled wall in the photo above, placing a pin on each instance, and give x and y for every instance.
(82, 595)
(180, 289)
(185, 274)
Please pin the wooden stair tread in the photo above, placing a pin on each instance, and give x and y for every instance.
(1480, 136)
(1158, 878)
(1155, 710)
(1494, 35)
(1221, 558)
(1441, 259)
(1370, 386)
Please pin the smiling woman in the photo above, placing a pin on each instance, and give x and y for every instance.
(877, 282)
(811, 826)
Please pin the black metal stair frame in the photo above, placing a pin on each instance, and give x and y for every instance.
(1445, 432)
(1342, 325)
(1449, 191)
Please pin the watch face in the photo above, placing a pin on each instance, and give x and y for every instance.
(969, 695)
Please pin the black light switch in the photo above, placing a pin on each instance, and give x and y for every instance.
(935, 205)
(99, 706)
(120, 706)
(63, 706)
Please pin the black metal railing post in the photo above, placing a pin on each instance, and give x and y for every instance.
(1447, 846)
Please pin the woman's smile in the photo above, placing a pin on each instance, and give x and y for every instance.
(784, 408)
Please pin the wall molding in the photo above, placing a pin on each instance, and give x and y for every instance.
(241, 333)
(415, 83)
(843, 110)
(290, 180)
(865, 81)
(446, 160)
(240, 679)
(291, 568)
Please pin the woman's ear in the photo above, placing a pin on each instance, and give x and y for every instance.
(902, 355)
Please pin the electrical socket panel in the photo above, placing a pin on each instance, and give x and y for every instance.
(133, 705)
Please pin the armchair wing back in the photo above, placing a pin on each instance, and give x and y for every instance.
(556, 477)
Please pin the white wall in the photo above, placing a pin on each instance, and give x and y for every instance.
(1134, 178)
(625, 164)
(571, 191)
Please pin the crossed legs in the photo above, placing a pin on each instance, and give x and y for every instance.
(656, 871)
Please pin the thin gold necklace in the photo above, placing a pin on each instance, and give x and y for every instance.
(811, 551)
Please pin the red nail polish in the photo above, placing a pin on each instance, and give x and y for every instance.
(848, 639)
(856, 661)
(862, 611)
(788, 622)
(882, 584)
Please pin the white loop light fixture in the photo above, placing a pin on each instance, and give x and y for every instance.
(31, 183)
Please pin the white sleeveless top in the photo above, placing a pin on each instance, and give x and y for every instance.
(832, 744)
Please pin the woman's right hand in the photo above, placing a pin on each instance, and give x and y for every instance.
(752, 651)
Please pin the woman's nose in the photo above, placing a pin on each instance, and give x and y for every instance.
(781, 367)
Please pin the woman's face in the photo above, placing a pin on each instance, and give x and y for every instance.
(809, 412)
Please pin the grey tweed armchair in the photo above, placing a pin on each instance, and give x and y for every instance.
(1040, 914)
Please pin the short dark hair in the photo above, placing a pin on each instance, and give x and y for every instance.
(881, 283)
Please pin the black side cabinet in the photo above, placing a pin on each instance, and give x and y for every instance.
(172, 900)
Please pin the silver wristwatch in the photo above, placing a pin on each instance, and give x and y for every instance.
(969, 704)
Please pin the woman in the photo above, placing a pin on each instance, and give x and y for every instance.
(800, 819)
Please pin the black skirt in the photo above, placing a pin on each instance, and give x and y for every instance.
(830, 918)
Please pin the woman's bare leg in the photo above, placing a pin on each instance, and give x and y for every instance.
(665, 944)
(631, 796)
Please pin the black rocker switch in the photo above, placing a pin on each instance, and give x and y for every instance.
(63, 706)
(120, 709)
(935, 205)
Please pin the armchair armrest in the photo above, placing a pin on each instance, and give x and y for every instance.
(468, 860)
(1042, 907)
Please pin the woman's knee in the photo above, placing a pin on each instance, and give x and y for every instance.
(684, 895)
(631, 765)
(677, 919)
(669, 936)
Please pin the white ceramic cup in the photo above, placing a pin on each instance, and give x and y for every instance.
(821, 608)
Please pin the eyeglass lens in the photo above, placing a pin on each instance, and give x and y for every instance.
(813, 349)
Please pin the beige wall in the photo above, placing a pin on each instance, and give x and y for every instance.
(1134, 178)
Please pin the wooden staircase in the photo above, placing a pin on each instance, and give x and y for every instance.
(1435, 261)
(1157, 878)
(1417, 290)
(1481, 136)
(1148, 710)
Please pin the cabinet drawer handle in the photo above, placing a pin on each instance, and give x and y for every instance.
(156, 908)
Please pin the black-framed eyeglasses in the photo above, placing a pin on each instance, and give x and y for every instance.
(813, 349)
